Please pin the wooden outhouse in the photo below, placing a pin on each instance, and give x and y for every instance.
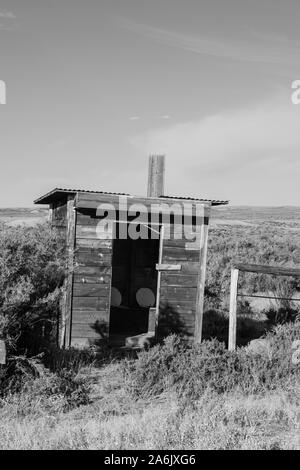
(136, 265)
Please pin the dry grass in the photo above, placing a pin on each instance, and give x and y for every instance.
(116, 421)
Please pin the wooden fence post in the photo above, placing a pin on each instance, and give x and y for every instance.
(233, 309)
(50, 214)
(2, 352)
(201, 284)
(67, 298)
(160, 258)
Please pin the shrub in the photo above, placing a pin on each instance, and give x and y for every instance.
(190, 370)
(18, 371)
(57, 359)
(31, 276)
(48, 393)
(74, 389)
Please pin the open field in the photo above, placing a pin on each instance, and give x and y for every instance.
(288, 216)
(23, 216)
(113, 421)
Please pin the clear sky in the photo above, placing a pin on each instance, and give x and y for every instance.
(94, 86)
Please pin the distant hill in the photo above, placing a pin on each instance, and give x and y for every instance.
(288, 216)
(285, 216)
(23, 216)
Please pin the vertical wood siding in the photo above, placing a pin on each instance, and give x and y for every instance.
(179, 289)
(91, 287)
(92, 281)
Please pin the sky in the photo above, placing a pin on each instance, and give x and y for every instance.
(93, 87)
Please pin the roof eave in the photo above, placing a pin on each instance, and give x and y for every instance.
(53, 195)
(58, 193)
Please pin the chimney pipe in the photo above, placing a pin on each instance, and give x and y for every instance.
(156, 176)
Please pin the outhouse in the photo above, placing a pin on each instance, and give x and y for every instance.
(136, 264)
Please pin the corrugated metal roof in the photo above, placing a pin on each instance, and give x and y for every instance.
(215, 202)
(58, 193)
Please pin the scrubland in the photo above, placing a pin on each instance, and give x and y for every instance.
(174, 396)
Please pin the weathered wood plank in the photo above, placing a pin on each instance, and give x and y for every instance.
(183, 243)
(174, 254)
(92, 264)
(90, 290)
(176, 236)
(168, 267)
(189, 267)
(233, 309)
(152, 320)
(90, 219)
(96, 271)
(92, 279)
(86, 331)
(172, 314)
(158, 287)
(94, 244)
(59, 215)
(66, 313)
(178, 293)
(92, 258)
(89, 316)
(201, 285)
(91, 303)
(61, 208)
(262, 269)
(50, 213)
(2, 352)
(179, 280)
(92, 232)
(184, 304)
